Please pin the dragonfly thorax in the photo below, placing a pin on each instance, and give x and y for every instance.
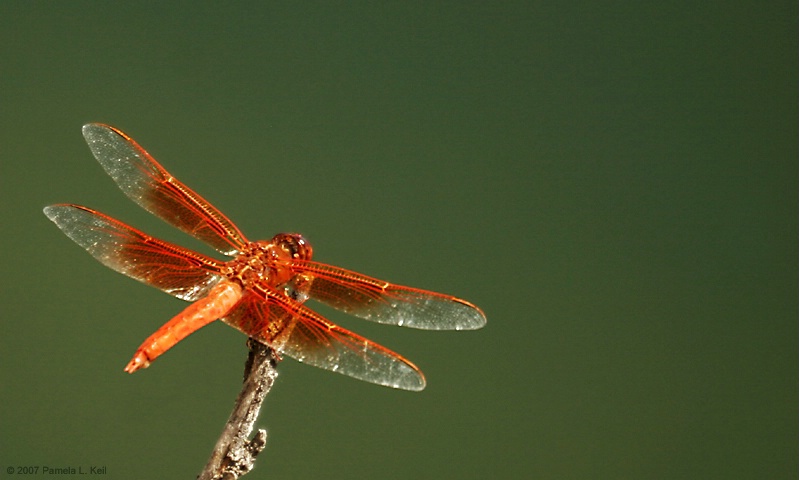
(269, 261)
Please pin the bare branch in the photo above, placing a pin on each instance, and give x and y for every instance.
(234, 453)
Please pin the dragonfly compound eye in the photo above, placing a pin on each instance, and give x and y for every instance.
(294, 245)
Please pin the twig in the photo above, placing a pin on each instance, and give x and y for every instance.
(234, 454)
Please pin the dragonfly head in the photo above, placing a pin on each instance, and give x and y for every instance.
(294, 245)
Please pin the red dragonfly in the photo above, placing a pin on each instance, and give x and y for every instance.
(262, 290)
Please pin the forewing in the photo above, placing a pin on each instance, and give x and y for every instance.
(383, 302)
(173, 269)
(157, 191)
(294, 330)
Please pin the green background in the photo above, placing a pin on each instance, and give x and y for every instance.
(614, 183)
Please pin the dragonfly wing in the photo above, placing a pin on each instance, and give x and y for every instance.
(383, 302)
(298, 332)
(147, 183)
(173, 269)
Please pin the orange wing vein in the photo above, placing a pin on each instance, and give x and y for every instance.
(173, 269)
(147, 183)
(296, 331)
(383, 302)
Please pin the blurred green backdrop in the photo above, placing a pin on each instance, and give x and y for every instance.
(614, 183)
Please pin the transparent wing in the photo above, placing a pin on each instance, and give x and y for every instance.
(296, 331)
(383, 302)
(147, 183)
(173, 269)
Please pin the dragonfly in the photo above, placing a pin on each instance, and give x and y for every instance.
(261, 290)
